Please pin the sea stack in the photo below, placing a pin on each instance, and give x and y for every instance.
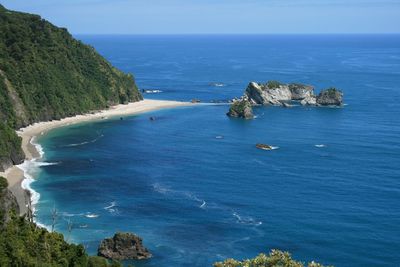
(123, 246)
(241, 109)
(330, 97)
(279, 94)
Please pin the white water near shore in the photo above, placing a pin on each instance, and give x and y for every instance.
(23, 175)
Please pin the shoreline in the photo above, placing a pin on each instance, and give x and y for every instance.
(16, 175)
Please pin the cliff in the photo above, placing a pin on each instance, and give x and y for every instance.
(46, 74)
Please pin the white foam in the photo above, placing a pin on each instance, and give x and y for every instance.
(111, 208)
(274, 147)
(321, 145)
(203, 204)
(246, 220)
(219, 137)
(30, 169)
(112, 204)
(84, 143)
(152, 91)
(91, 215)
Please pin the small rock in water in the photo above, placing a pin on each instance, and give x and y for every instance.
(264, 147)
(241, 109)
(195, 100)
(123, 246)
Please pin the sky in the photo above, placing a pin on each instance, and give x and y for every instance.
(216, 16)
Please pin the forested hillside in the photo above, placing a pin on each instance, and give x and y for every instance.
(46, 74)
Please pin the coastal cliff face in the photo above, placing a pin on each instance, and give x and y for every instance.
(278, 94)
(46, 74)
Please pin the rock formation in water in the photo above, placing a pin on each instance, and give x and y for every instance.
(276, 93)
(241, 109)
(123, 246)
(330, 97)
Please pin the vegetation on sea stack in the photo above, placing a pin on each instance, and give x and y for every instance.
(46, 74)
(276, 258)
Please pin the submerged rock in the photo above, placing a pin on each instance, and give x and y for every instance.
(123, 246)
(241, 109)
(330, 97)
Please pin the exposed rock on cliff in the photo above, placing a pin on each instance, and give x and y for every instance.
(123, 246)
(330, 97)
(275, 93)
(300, 91)
(8, 203)
(241, 109)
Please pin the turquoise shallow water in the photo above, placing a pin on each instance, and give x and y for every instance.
(192, 183)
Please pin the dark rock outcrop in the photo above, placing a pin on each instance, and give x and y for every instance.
(330, 97)
(241, 109)
(123, 246)
(263, 146)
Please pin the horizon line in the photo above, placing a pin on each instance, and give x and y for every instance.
(171, 34)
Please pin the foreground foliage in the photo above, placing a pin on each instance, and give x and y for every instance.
(276, 258)
(24, 244)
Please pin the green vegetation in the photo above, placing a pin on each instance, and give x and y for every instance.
(331, 91)
(273, 84)
(46, 74)
(3, 183)
(239, 106)
(275, 259)
(10, 146)
(22, 243)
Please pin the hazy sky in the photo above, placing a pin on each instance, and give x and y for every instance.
(217, 16)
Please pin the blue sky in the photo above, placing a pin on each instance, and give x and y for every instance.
(216, 16)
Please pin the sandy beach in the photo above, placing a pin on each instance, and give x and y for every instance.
(15, 175)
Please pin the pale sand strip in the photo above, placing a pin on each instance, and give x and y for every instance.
(15, 175)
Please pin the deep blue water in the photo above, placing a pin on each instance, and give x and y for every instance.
(196, 199)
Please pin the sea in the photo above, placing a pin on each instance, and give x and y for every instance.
(191, 182)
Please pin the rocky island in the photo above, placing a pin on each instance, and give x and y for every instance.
(276, 93)
(241, 108)
(123, 246)
(279, 94)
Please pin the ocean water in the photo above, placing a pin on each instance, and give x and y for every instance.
(193, 185)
